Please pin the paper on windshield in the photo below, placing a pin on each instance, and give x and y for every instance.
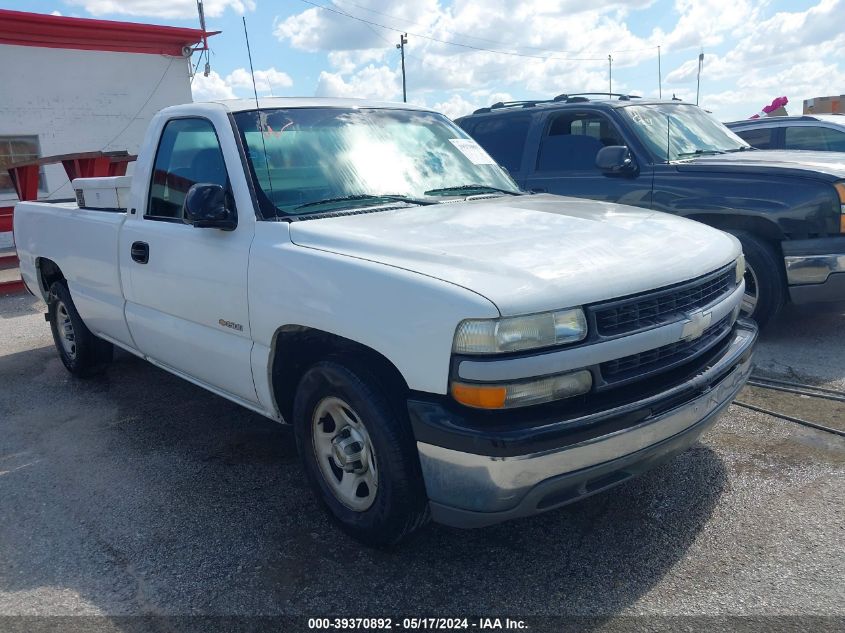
(473, 151)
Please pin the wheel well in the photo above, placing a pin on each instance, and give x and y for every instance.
(48, 273)
(763, 228)
(296, 348)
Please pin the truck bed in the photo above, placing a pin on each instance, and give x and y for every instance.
(83, 243)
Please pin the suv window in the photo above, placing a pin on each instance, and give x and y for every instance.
(814, 138)
(188, 152)
(761, 138)
(504, 139)
(573, 140)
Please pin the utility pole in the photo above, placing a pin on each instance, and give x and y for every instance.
(403, 39)
(698, 79)
(609, 76)
(659, 76)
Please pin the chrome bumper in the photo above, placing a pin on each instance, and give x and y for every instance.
(812, 269)
(472, 490)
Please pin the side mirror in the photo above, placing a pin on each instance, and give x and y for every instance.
(616, 159)
(207, 206)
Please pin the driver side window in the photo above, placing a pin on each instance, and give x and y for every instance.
(188, 153)
(572, 141)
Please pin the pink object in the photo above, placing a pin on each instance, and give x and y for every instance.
(779, 102)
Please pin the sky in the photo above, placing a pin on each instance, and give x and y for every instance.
(465, 54)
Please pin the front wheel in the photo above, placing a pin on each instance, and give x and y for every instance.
(359, 453)
(765, 290)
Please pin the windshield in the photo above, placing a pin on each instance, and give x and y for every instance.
(684, 130)
(314, 160)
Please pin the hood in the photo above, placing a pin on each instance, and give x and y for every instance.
(529, 253)
(829, 165)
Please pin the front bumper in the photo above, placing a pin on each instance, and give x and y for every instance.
(815, 269)
(479, 479)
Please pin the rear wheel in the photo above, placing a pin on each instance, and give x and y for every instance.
(82, 353)
(359, 453)
(765, 289)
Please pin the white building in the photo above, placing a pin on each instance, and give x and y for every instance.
(73, 85)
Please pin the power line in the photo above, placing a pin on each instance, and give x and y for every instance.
(451, 43)
(472, 37)
(475, 37)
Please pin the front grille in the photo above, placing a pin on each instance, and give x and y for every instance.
(655, 308)
(636, 366)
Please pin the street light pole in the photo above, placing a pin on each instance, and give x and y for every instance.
(403, 39)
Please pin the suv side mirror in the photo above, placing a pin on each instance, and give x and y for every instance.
(207, 206)
(616, 159)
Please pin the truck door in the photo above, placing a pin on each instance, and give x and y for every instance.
(186, 287)
(566, 160)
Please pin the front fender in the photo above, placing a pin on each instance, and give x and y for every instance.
(408, 318)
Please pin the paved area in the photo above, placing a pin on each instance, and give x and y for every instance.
(138, 493)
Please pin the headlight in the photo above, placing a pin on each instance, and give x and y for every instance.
(516, 334)
(740, 268)
(524, 393)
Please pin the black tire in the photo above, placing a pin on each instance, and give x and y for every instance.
(399, 506)
(82, 353)
(764, 276)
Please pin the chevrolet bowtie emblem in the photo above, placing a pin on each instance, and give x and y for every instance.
(695, 326)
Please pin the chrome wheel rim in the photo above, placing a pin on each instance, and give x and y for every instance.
(751, 296)
(64, 326)
(344, 453)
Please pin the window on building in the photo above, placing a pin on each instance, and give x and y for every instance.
(761, 138)
(504, 139)
(188, 153)
(16, 149)
(574, 139)
(814, 138)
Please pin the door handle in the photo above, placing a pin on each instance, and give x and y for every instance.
(140, 252)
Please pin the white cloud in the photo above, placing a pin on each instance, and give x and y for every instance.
(365, 61)
(163, 8)
(798, 82)
(788, 53)
(371, 82)
(266, 81)
(238, 83)
(211, 88)
(456, 106)
(705, 23)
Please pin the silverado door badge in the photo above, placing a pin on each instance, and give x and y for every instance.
(231, 325)
(695, 326)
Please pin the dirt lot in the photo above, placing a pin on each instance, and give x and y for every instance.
(138, 493)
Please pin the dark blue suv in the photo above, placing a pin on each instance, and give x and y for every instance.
(787, 208)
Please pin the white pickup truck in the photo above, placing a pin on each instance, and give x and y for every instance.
(444, 345)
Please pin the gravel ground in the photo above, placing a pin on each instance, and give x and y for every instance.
(137, 493)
